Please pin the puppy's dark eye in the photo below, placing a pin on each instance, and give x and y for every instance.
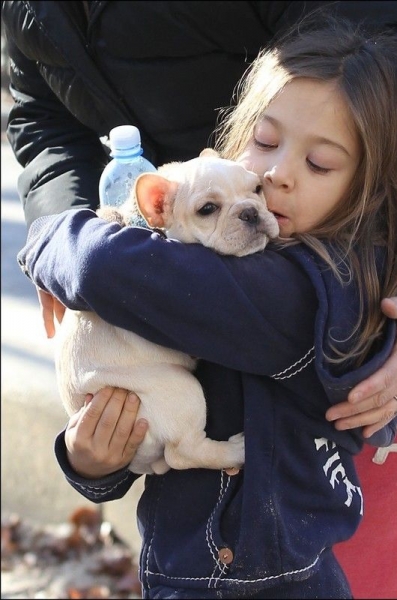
(207, 209)
(258, 189)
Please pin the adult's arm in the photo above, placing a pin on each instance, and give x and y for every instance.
(62, 158)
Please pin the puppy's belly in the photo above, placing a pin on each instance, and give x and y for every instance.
(85, 337)
(92, 354)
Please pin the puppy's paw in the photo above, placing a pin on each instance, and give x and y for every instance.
(160, 466)
(238, 452)
(237, 439)
(209, 152)
(111, 214)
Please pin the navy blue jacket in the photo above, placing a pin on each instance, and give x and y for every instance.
(260, 327)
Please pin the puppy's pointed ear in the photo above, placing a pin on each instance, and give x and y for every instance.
(154, 196)
(209, 152)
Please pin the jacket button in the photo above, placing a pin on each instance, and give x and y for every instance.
(225, 556)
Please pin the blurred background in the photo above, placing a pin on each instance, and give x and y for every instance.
(33, 485)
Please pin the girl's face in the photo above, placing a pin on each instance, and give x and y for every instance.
(306, 149)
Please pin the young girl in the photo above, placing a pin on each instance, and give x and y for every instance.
(282, 335)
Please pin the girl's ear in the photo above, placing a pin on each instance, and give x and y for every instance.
(154, 196)
(209, 152)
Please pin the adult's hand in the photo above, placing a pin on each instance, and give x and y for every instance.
(51, 308)
(372, 403)
(103, 436)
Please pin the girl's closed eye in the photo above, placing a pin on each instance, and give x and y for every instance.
(263, 145)
(317, 169)
(266, 136)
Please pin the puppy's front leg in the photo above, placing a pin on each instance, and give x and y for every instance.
(111, 214)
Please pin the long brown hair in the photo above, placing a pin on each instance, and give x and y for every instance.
(364, 68)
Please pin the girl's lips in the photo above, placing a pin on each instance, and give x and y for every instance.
(280, 218)
(283, 223)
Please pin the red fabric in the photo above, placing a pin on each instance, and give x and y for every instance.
(369, 559)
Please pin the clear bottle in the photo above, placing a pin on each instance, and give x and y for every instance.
(118, 177)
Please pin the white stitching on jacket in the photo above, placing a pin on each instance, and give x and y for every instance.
(231, 580)
(282, 374)
(149, 550)
(106, 490)
(208, 533)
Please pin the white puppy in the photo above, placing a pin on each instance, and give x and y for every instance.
(206, 200)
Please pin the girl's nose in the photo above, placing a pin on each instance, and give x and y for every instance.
(280, 176)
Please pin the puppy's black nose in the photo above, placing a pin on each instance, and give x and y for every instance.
(250, 215)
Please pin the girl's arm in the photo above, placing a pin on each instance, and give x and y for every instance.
(234, 302)
(369, 404)
(372, 403)
(225, 310)
(98, 444)
(103, 436)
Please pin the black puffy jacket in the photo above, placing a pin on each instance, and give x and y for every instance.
(166, 67)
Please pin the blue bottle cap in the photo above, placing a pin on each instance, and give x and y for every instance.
(124, 137)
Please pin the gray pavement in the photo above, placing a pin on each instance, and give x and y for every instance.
(33, 486)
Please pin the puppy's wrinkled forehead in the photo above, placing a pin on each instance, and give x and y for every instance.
(210, 173)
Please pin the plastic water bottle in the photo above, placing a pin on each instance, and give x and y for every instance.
(118, 177)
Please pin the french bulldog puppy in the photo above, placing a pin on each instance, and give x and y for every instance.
(207, 200)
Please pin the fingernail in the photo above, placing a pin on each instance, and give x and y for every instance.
(334, 417)
(331, 415)
(132, 397)
(142, 424)
(356, 397)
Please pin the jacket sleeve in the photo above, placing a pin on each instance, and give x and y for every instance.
(252, 314)
(112, 487)
(62, 158)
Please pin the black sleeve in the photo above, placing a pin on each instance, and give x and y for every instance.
(280, 15)
(62, 158)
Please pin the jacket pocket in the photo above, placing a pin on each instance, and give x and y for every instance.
(185, 542)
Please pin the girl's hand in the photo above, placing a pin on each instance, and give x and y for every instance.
(373, 402)
(104, 435)
(50, 307)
